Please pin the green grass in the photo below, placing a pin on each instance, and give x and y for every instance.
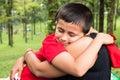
(8, 55)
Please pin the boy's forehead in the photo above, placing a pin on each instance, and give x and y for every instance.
(70, 26)
(80, 23)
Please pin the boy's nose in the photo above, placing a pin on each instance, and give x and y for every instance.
(64, 38)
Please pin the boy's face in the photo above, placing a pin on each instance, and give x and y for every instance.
(67, 33)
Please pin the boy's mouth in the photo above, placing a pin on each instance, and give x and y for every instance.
(64, 43)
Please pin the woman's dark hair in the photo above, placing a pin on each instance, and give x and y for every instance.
(76, 13)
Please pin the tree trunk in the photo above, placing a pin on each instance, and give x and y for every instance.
(110, 17)
(34, 20)
(9, 23)
(1, 33)
(97, 16)
(116, 11)
(25, 24)
(101, 18)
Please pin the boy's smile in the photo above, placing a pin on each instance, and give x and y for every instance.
(67, 33)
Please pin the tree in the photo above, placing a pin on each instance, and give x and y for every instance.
(110, 17)
(116, 13)
(25, 24)
(34, 9)
(2, 17)
(9, 22)
(101, 16)
(96, 18)
(52, 8)
(0, 34)
(43, 11)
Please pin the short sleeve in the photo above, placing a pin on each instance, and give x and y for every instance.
(52, 48)
(39, 54)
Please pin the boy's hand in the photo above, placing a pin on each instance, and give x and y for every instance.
(28, 52)
(105, 38)
(17, 68)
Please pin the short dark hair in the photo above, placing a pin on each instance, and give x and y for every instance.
(76, 13)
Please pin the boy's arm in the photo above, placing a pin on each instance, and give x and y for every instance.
(41, 69)
(17, 68)
(44, 69)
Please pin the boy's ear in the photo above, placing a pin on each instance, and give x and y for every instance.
(56, 22)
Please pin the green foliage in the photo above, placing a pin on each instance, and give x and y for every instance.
(2, 2)
(117, 32)
(32, 6)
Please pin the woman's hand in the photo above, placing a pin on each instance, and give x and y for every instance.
(17, 69)
(105, 38)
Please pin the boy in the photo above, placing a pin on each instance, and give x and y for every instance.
(73, 21)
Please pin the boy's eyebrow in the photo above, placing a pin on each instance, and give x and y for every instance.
(71, 32)
(59, 27)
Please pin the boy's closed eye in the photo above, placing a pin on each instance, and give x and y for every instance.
(60, 30)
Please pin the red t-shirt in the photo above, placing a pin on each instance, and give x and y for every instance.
(49, 50)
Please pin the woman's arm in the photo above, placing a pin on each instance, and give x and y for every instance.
(78, 67)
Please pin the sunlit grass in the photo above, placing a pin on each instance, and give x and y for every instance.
(8, 55)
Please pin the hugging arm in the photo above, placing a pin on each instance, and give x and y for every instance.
(81, 64)
(78, 65)
(45, 69)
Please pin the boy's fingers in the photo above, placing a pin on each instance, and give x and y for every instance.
(16, 77)
(19, 73)
(12, 74)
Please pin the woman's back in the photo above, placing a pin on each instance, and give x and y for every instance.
(101, 69)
